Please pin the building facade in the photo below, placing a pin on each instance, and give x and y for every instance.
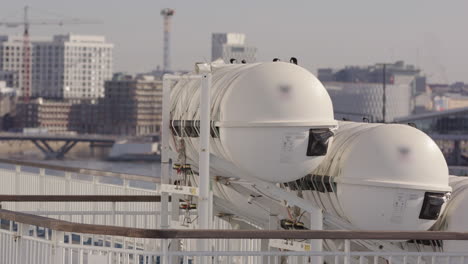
(80, 116)
(11, 78)
(51, 115)
(449, 101)
(8, 99)
(227, 46)
(132, 105)
(62, 67)
(395, 73)
(357, 91)
(358, 101)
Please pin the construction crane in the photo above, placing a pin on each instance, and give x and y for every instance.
(167, 13)
(26, 23)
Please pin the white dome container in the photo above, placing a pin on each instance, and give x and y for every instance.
(262, 115)
(378, 177)
(455, 216)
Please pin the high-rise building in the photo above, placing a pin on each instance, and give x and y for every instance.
(227, 46)
(65, 66)
(10, 78)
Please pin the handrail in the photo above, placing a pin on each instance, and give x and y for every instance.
(65, 226)
(92, 172)
(80, 198)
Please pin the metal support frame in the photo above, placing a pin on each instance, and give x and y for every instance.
(316, 214)
(204, 160)
(50, 153)
(205, 196)
(165, 162)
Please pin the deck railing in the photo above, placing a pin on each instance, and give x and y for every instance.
(35, 239)
(31, 178)
(87, 218)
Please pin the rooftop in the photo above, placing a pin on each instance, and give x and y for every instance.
(432, 114)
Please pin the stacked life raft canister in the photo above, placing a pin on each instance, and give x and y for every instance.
(273, 121)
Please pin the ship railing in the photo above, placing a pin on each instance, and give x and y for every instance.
(26, 238)
(86, 216)
(32, 178)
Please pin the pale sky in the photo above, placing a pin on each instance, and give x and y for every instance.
(320, 33)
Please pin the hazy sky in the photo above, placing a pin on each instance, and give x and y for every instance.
(431, 33)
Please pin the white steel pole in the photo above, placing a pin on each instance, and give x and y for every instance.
(316, 223)
(204, 160)
(165, 135)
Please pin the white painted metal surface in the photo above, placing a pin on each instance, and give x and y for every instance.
(379, 175)
(144, 215)
(204, 162)
(35, 181)
(455, 217)
(17, 247)
(267, 108)
(26, 244)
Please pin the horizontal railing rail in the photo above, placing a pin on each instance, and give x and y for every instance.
(80, 198)
(91, 172)
(66, 226)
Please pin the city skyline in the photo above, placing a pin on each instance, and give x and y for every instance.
(320, 34)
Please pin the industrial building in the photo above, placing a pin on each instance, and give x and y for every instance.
(358, 92)
(227, 46)
(62, 67)
(358, 101)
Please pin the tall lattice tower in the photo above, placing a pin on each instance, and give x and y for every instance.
(167, 13)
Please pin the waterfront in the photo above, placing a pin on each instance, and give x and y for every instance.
(152, 169)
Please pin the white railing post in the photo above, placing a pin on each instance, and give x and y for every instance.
(42, 175)
(165, 166)
(21, 250)
(175, 217)
(17, 188)
(347, 249)
(17, 180)
(58, 255)
(94, 205)
(265, 243)
(204, 161)
(68, 190)
(316, 223)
